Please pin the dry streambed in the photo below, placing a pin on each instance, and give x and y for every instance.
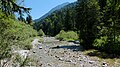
(54, 53)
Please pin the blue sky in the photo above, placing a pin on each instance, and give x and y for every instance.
(40, 7)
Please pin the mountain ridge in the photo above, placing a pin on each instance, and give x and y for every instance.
(52, 10)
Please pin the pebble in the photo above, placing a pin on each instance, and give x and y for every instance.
(61, 59)
(40, 64)
(81, 65)
(77, 42)
(57, 46)
(91, 62)
(56, 56)
(104, 64)
(49, 64)
(67, 60)
(33, 51)
(79, 59)
(40, 47)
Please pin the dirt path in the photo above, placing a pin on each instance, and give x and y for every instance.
(54, 53)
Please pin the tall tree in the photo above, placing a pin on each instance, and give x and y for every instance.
(87, 18)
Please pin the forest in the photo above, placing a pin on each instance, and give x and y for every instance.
(95, 23)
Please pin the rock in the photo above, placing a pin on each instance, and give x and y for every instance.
(40, 64)
(40, 47)
(49, 64)
(33, 51)
(77, 42)
(79, 59)
(81, 65)
(56, 56)
(48, 52)
(22, 53)
(61, 59)
(57, 46)
(65, 51)
(74, 63)
(104, 64)
(51, 55)
(91, 62)
(68, 60)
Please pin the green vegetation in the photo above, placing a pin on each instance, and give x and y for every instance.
(9, 7)
(63, 19)
(67, 36)
(14, 34)
(111, 59)
(88, 13)
(99, 26)
(96, 22)
(41, 33)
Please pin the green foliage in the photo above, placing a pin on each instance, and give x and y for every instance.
(100, 42)
(96, 21)
(27, 43)
(67, 36)
(88, 16)
(62, 19)
(103, 43)
(14, 33)
(40, 33)
(9, 7)
(19, 60)
(61, 35)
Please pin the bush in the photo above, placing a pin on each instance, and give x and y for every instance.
(41, 33)
(104, 44)
(67, 36)
(100, 42)
(16, 33)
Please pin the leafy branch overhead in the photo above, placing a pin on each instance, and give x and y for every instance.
(10, 7)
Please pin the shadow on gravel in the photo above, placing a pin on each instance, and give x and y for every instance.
(102, 55)
(71, 47)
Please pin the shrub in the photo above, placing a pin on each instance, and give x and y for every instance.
(41, 33)
(100, 42)
(16, 33)
(104, 44)
(68, 36)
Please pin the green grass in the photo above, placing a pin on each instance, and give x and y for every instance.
(111, 59)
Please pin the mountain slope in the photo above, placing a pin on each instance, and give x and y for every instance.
(51, 11)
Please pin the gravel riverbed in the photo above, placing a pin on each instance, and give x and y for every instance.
(55, 53)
